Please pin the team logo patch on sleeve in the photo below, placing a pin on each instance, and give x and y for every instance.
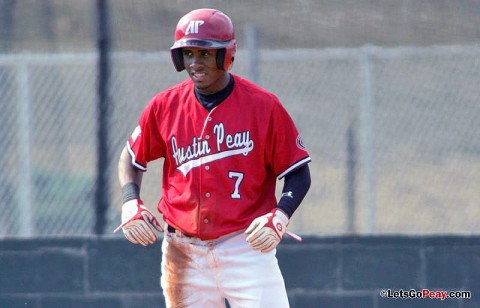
(300, 143)
(136, 133)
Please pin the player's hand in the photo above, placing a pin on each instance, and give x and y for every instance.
(266, 231)
(138, 223)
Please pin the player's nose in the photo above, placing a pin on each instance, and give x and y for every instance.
(195, 63)
(196, 60)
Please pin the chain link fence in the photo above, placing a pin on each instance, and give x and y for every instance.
(393, 134)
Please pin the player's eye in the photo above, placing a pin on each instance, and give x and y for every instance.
(187, 53)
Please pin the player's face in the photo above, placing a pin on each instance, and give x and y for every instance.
(201, 65)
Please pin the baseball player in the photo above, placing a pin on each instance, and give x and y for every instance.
(225, 142)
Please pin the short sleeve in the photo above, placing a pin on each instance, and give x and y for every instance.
(285, 148)
(145, 144)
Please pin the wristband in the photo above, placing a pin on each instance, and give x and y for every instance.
(281, 215)
(130, 191)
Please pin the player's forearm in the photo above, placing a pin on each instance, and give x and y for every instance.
(294, 190)
(127, 173)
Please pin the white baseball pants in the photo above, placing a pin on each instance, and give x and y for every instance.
(199, 274)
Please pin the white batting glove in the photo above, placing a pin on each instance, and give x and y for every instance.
(138, 223)
(266, 232)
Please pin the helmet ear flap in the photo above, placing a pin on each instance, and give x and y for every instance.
(225, 58)
(221, 58)
(177, 58)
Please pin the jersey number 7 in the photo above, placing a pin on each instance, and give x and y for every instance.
(238, 176)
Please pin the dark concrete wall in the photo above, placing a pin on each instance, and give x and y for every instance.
(320, 272)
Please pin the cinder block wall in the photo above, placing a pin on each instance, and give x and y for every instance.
(320, 272)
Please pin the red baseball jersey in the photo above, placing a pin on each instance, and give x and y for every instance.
(220, 167)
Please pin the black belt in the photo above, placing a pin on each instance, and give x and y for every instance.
(171, 229)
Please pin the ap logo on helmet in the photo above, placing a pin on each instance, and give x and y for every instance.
(193, 26)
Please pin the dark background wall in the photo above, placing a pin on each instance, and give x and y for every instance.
(320, 272)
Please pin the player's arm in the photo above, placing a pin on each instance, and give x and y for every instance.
(138, 223)
(266, 232)
(295, 188)
(127, 172)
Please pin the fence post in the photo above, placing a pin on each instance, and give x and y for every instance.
(251, 33)
(25, 177)
(102, 188)
(351, 176)
(368, 138)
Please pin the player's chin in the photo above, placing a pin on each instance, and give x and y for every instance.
(202, 86)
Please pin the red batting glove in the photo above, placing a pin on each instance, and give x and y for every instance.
(266, 232)
(138, 223)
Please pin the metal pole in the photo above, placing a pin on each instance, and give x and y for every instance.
(368, 140)
(24, 190)
(351, 176)
(251, 33)
(102, 183)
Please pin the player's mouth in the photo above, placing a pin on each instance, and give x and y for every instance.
(199, 76)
